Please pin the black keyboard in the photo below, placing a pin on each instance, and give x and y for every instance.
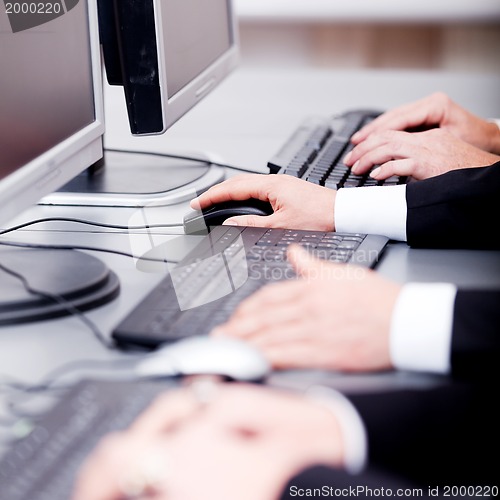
(230, 264)
(44, 465)
(316, 150)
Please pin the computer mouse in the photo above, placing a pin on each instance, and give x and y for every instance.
(199, 221)
(206, 355)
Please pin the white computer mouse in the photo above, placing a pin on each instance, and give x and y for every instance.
(205, 355)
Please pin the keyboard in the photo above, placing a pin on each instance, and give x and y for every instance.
(44, 465)
(315, 152)
(229, 265)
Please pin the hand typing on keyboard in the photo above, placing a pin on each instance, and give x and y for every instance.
(436, 110)
(175, 451)
(297, 204)
(419, 155)
(459, 139)
(337, 317)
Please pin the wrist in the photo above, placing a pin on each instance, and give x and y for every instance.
(349, 437)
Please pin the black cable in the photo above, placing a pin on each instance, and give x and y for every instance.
(88, 222)
(19, 244)
(59, 299)
(188, 158)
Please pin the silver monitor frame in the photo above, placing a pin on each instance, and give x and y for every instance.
(56, 166)
(174, 107)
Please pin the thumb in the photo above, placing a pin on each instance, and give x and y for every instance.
(249, 220)
(304, 264)
(403, 167)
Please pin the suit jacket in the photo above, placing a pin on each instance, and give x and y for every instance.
(475, 342)
(442, 209)
(439, 436)
(420, 438)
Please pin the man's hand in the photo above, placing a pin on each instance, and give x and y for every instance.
(245, 443)
(420, 155)
(336, 317)
(436, 110)
(297, 204)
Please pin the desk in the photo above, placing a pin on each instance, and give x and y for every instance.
(384, 11)
(243, 122)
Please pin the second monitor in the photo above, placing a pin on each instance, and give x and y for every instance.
(167, 55)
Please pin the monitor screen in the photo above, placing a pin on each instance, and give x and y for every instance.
(167, 54)
(51, 111)
(196, 33)
(197, 50)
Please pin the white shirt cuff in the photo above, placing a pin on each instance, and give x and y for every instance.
(352, 429)
(421, 327)
(497, 121)
(372, 210)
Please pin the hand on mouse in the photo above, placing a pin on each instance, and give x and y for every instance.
(239, 446)
(336, 317)
(436, 110)
(297, 204)
(420, 155)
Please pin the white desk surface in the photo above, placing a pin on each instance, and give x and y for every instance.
(368, 11)
(243, 122)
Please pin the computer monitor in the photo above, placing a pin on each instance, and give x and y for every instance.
(51, 127)
(51, 117)
(167, 55)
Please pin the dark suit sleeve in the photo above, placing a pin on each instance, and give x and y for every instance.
(433, 436)
(421, 437)
(475, 342)
(443, 208)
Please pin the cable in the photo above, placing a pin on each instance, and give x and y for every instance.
(59, 299)
(189, 158)
(60, 371)
(83, 221)
(19, 244)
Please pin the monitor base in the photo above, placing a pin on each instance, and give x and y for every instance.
(138, 179)
(83, 281)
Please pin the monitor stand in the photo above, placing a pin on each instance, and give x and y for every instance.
(120, 179)
(69, 279)
(137, 179)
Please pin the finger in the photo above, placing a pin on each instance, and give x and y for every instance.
(292, 355)
(406, 167)
(404, 146)
(414, 114)
(165, 413)
(306, 265)
(241, 187)
(271, 295)
(394, 119)
(121, 467)
(304, 354)
(97, 477)
(250, 221)
(374, 141)
(246, 326)
(289, 330)
(254, 326)
(260, 313)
